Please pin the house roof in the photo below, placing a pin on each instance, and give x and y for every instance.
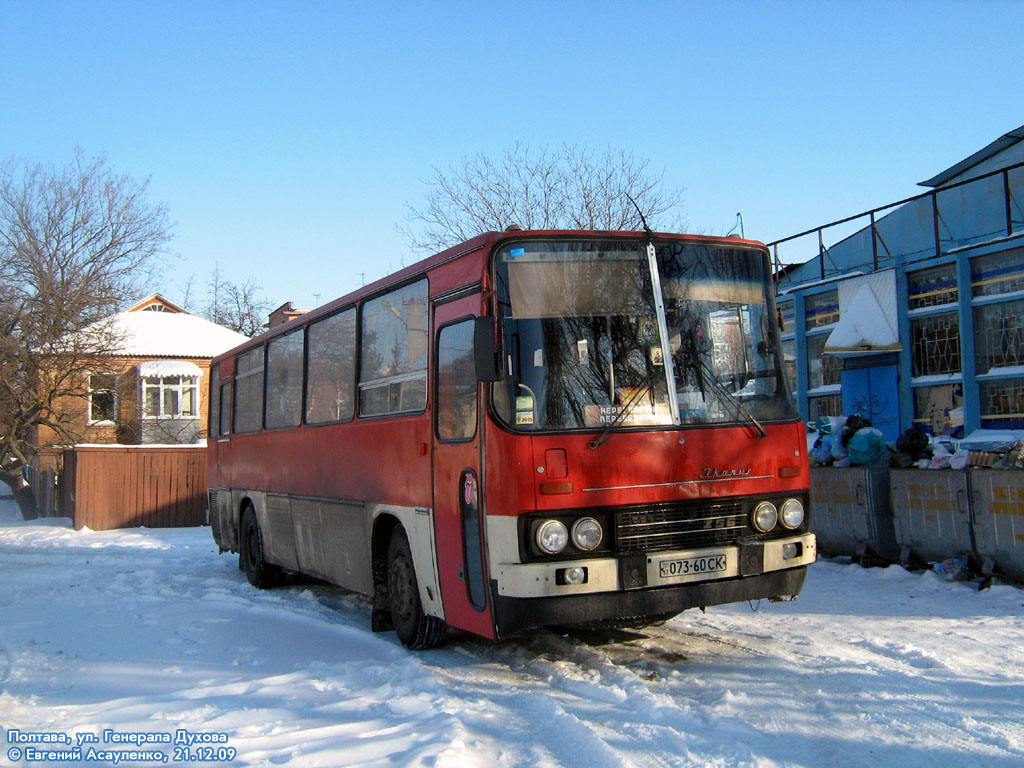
(171, 334)
(155, 301)
(997, 146)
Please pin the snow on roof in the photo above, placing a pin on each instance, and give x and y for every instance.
(862, 327)
(163, 368)
(170, 334)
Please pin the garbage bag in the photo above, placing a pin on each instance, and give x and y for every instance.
(866, 445)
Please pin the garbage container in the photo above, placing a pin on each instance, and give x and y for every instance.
(932, 510)
(850, 513)
(998, 502)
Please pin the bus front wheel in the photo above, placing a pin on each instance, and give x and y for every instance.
(251, 557)
(414, 628)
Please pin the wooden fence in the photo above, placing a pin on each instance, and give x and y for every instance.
(105, 487)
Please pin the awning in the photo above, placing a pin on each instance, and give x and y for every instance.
(863, 327)
(164, 368)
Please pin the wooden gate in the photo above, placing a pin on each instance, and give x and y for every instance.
(107, 487)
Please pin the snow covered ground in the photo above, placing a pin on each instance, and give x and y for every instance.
(150, 631)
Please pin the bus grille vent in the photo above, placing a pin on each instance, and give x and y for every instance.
(663, 529)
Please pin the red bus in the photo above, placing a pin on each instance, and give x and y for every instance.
(531, 428)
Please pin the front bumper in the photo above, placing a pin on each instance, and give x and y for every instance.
(611, 574)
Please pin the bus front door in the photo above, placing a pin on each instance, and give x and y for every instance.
(458, 524)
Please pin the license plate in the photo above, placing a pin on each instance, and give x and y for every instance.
(689, 566)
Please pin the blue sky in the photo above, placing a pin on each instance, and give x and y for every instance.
(287, 137)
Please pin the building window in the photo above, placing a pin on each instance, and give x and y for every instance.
(821, 309)
(939, 410)
(102, 398)
(170, 397)
(932, 287)
(819, 407)
(786, 314)
(935, 344)
(789, 362)
(822, 369)
(1002, 403)
(393, 353)
(999, 335)
(998, 273)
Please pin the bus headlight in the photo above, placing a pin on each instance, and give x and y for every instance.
(552, 536)
(587, 534)
(792, 513)
(765, 516)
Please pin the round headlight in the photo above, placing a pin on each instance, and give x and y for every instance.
(765, 516)
(587, 533)
(792, 513)
(552, 536)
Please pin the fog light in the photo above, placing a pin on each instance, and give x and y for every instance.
(575, 575)
(789, 551)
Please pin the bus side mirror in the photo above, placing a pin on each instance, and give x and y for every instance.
(486, 352)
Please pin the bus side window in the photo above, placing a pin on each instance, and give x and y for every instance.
(456, 382)
(330, 368)
(393, 352)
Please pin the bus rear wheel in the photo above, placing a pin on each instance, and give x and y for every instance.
(415, 629)
(251, 557)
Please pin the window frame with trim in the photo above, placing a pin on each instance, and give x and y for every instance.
(445, 395)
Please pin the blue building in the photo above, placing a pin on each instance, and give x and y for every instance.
(915, 314)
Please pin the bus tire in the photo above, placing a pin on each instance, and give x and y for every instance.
(415, 629)
(251, 558)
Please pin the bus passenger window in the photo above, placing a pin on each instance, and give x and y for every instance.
(330, 372)
(249, 394)
(393, 352)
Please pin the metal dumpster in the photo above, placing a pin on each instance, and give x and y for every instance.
(998, 502)
(850, 513)
(932, 509)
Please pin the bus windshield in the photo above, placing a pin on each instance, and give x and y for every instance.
(591, 346)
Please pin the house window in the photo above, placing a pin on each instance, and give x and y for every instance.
(932, 287)
(819, 407)
(102, 398)
(999, 335)
(786, 314)
(821, 309)
(997, 273)
(170, 397)
(935, 342)
(939, 410)
(789, 360)
(822, 369)
(1002, 403)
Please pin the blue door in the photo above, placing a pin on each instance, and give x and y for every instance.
(874, 393)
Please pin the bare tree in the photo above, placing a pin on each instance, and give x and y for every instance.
(76, 241)
(574, 188)
(238, 306)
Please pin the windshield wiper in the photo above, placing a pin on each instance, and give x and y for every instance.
(705, 373)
